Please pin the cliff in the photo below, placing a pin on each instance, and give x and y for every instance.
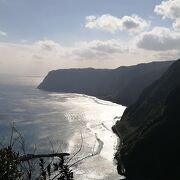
(150, 131)
(122, 85)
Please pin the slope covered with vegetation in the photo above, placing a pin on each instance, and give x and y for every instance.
(150, 131)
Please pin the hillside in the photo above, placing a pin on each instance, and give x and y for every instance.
(122, 85)
(150, 131)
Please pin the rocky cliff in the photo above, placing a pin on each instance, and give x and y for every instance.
(150, 131)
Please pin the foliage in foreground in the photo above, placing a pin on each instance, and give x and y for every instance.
(9, 162)
(18, 165)
(12, 166)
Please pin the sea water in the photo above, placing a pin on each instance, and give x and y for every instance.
(51, 122)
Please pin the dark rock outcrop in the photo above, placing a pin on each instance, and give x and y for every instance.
(150, 131)
(122, 85)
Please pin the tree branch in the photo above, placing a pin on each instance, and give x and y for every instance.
(33, 156)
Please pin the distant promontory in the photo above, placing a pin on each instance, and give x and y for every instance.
(122, 85)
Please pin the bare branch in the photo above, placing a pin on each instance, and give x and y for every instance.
(77, 151)
(33, 156)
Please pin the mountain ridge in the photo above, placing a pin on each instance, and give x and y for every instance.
(108, 84)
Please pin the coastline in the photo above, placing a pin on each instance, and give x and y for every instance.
(110, 128)
(103, 98)
(97, 127)
(120, 167)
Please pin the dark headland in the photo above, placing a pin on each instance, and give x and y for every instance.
(122, 85)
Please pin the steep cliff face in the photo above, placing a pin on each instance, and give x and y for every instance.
(150, 131)
(122, 85)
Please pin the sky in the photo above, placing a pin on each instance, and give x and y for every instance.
(37, 36)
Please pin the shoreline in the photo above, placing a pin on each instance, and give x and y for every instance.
(120, 167)
(116, 159)
(103, 98)
(100, 147)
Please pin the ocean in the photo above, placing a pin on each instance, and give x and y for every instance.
(51, 122)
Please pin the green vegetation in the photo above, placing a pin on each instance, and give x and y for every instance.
(12, 166)
(149, 131)
(16, 164)
(9, 164)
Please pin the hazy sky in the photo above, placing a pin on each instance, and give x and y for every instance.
(40, 35)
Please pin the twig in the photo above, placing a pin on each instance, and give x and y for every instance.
(77, 151)
(90, 155)
(33, 156)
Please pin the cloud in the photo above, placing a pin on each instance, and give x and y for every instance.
(48, 45)
(24, 41)
(40, 57)
(112, 24)
(43, 56)
(176, 25)
(2, 33)
(168, 55)
(35, 58)
(168, 9)
(96, 49)
(159, 39)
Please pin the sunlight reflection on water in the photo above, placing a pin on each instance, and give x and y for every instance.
(44, 117)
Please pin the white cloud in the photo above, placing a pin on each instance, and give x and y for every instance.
(112, 24)
(159, 39)
(43, 56)
(176, 25)
(36, 58)
(48, 45)
(24, 41)
(168, 55)
(99, 49)
(2, 33)
(168, 9)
